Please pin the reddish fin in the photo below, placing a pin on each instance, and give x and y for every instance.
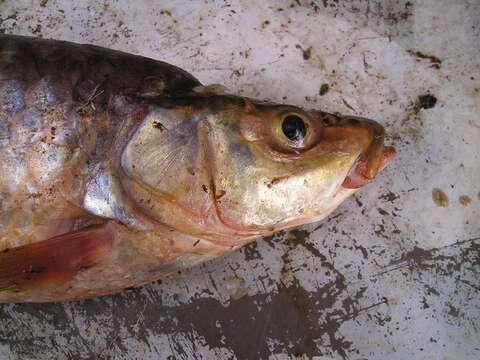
(54, 261)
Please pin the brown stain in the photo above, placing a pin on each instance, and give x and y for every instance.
(434, 61)
(464, 200)
(439, 197)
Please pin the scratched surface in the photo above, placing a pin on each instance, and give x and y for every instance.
(393, 273)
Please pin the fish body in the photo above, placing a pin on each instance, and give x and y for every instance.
(118, 169)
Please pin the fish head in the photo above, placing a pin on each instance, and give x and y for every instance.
(233, 165)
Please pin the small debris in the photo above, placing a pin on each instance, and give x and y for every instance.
(427, 101)
(158, 125)
(348, 105)
(324, 89)
(382, 212)
(307, 53)
(435, 61)
(390, 196)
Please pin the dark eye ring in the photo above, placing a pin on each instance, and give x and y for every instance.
(294, 128)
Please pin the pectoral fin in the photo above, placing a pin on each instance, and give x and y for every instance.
(55, 261)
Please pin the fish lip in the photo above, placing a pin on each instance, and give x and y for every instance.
(372, 160)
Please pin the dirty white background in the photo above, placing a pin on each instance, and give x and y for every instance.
(391, 274)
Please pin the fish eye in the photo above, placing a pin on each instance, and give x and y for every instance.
(294, 128)
(293, 131)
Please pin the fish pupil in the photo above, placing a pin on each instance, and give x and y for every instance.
(294, 128)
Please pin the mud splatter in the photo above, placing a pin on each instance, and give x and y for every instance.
(439, 197)
(444, 260)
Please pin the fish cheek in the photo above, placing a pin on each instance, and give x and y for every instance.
(262, 193)
(164, 158)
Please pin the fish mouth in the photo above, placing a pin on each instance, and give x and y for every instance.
(372, 160)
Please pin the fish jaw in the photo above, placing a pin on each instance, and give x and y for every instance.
(370, 136)
(372, 160)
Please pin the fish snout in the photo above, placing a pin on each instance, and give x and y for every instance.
(373, 159)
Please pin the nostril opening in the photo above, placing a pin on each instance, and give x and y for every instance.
(330, 120)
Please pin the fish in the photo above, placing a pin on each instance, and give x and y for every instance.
(118, 169)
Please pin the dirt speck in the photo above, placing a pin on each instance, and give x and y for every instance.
(357, 200)
(426, 101)
(439, 197)
(348, 105)
(382, 212)
(453, 311)
(306, 53)
(464, 200)
(323, 89)
(158, 125)
(390, 197)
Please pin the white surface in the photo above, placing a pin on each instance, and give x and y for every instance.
(429, 305)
